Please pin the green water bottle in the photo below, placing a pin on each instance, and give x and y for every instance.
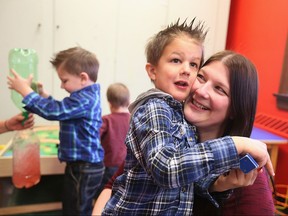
(24, 62)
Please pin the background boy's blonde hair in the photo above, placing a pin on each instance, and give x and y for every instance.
(118, 95)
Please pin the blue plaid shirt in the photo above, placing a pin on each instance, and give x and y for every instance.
(80, 122)
(163, 162)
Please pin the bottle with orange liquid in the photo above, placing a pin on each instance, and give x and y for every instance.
(26, 150)
(26, 159)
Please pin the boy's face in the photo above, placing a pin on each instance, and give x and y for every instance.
(177, 67)
(208, 107)
(69, 82)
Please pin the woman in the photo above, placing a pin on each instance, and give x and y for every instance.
(223, 102)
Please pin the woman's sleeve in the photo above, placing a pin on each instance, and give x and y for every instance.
(256, 199)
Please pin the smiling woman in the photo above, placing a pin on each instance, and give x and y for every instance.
(227, 85)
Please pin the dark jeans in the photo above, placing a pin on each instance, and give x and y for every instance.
(81, 182)
(109, 172)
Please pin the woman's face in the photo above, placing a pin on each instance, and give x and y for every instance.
(208, 105)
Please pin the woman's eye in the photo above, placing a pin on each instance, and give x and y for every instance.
(221, 90)
(200, 76)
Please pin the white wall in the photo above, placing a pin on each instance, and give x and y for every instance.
(116, 30)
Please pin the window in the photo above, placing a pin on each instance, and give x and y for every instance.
(282, 95)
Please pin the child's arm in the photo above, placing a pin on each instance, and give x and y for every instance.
(19, 84)
(101, 201)
(161, 151)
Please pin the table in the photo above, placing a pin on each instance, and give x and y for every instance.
(273, 141)
(49, 165)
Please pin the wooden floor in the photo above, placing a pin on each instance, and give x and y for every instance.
(42, 199)
(33, 209)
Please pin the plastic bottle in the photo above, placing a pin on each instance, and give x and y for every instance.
(26, 159)
(24, 62)
(26, 153)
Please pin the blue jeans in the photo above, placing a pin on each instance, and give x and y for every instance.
(81, 182)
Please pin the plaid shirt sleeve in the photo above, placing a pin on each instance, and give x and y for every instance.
(51, 109)
(202, 186)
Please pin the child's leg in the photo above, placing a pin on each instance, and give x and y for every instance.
(69, 196)
(83, 180)
(90, 180)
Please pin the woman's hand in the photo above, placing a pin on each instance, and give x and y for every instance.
(16, 123)
(233, 179)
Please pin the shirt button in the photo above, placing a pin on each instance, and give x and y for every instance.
(183, 189)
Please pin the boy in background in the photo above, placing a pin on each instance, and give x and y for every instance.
(80, 122)
(114, 130)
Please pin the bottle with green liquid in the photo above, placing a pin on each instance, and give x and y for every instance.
(26, 150)
(24, 62)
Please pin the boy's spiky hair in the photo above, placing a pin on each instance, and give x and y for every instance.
(197, 32)
(158, 42)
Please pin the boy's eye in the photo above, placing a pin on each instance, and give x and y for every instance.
(175, 60)
(194, 65)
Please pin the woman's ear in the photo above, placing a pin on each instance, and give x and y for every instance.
(151, 71)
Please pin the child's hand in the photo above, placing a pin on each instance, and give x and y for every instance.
(41, 90)
(233, 179)
(19, 84)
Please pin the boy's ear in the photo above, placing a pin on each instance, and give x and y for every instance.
(84, 77)
(151, 71)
